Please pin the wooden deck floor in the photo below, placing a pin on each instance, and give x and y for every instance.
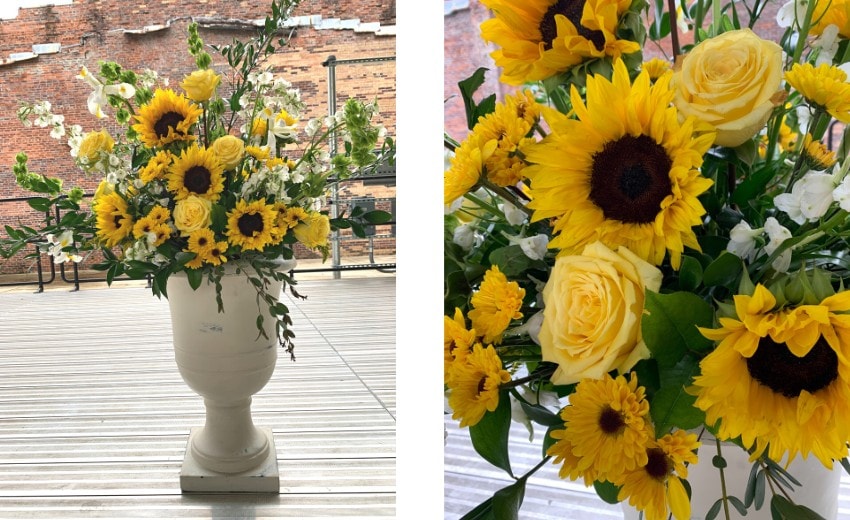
(94, 416)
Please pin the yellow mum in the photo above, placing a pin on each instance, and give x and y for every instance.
(824, 86)
(495, 304)
(474, 385)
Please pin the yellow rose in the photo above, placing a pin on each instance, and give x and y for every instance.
(313, 231)
(200, 84)
(93, 145)
(593, 304)
(191, 214)
(229, 149)
(731, 82)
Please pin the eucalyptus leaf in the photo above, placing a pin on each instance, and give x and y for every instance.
(784, 509)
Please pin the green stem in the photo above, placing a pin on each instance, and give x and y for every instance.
(507, 195)
(723, 483)
(536, 375)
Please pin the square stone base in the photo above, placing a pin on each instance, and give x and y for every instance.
(265, 479)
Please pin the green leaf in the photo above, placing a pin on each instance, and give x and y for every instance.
(690, 274)
(377, 217)
(510, 259)
(753, 185)
(718, 461)
(671, 406)
(669, 325)
(607, 491)
(507, 501)
(541, 415)
(490, 436)
(39, 204)
(747, 152)
(548, 440)
(723, 272)
(483, 511)
(783, 509)
(759, 494)
(845, 464)
(195, 277)
(218, 217)
(467, 89)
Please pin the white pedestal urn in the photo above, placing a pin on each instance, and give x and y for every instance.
(819, 490)
(221, 357)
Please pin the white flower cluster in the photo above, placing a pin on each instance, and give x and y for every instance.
(42, 118)
(143, 250)
(744, 242)
(56, 244)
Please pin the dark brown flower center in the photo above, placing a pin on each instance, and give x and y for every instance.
(202, 241)
(611, 421)
(572, 9)
(250, 223)
(166, 121)
(777, 368)
(630, 178)
(482, 385)
(197, 179)
(657, 464)
(216, 252)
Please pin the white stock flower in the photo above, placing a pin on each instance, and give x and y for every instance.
(828, 45)
(513, 215)
(533, 247)
(777, 233)
(124, 90)
(792, 13)
(464, 236)
(742, 241)
(809, 199)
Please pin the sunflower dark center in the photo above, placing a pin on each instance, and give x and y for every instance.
(482, 385)
(572, 10)
(611, 421)
(776, 367)
(250, 223)
(657, 463)
(630, 178)
(197, 179)
(166, 121)
(216, 252)
(202, 241)
(117, 220)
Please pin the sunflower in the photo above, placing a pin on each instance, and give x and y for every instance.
(166, 119)
(655, 486)
(780, 377)
(196, 172)
(624, 173)
(824, 86)
(474, 385)
(250, 225)
(457, 341)
(207, 250)
(114, 222)
(160, 214)
(495, 304)
(606, 429)
(540, 38)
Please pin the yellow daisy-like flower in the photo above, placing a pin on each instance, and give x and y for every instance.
(474, 385)
(509, 131)
(523, 106)
(467, 166)
(457, 341)
(289, 217)
(495, 304)
(656, 67)
(540, 38)
(157, 167)
(780, 378)
(626, 172)
(114, 222)
(200, 242)
(817, 154)
(824, 86)
(606, 429)
(196, 172)
(159, 214)
(250, 225)
(261, 153)
(259, 127)
(655, 488)
(149, 224)
(167, 118)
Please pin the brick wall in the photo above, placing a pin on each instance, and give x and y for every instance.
(93, 30)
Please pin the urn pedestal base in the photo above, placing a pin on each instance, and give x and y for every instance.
(264, 478)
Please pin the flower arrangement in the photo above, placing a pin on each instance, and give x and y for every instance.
(218, 172)
(641, 252)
